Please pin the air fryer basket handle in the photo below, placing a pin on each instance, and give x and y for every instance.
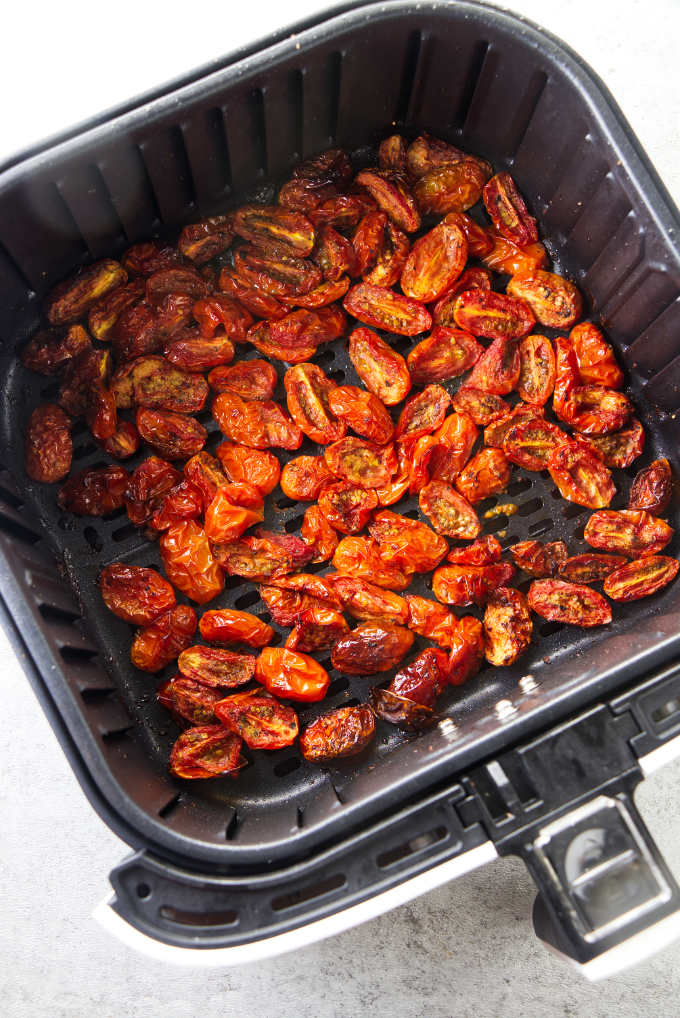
(606, 897)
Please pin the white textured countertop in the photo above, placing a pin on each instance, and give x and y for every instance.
(466, 949)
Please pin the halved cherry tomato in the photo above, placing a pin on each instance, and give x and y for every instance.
(259, 719)
(555, 301)
(226, 625)
(632, 532)
(508, 210)
(450, 513)
(408, 543)
(452, 447)
(342, 732)
(590, 567)
(619, 449)
(652, 487)
(435, 262)
(572, 603)
(382, 370)
(423, 679)
(363, 412)
(214, 666)
(260, 424)
(530, 444)
(595, 357)
(486, 474)
(446, 353)
(316, 628)
(497, 370)
(580, 476)
(189, 700)
(134, 593)
(360, 557)
(371, 647)
(367, 601)
(253, 379)
(463, 585)
(432, 620)
(507, 626)
(423, 413)
(540, 560)
(189, 563)
(307, 393)
(481, 552)
(384, 309)
(318, 534)
(303, 477)
(347, 507)
(493, 315)
(641, 578)
(483, 407)
(537, 370)
(243, 465)
(234, 508)
(206, 751)
(159, 643)
(361, 463)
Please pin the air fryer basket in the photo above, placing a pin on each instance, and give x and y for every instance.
(479, 78)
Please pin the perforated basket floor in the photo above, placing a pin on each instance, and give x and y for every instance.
(146, 173)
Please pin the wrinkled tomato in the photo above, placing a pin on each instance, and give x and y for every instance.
(189, 563)
(446, 353)
(342, 732)
(214, 666)
(452, 447)
(493, 315)
(291, 675)
(362, 412)
(234, 508)
(382, 370)
(347, 507)
(393, 195)
(537, 370)
(467, 652)
(205, 473)
(260, 424)
(652, 487)
(450, 188)
(619, 449)
(423, 413)
(559, 601)
(580, 476)
(303, 477)
(494, 434)
(486, 474)
(316, 628)
(367, 601)
(172, 436)
(481, 552)
(259, 719)
(189, 700)
(593, 410)
(226, 625)
(408, 543)
(206, 751)
(434, 263)
(554, 300)
(423, 679)
(641, 578)
(321, 538)
(184, 501)
(48, 449)
(253, 379)
(632, 532)
(497, 370)
(540, 560)
(432, 620)
(482, 407)
(243, 465)
(510, 259)
(595, 358)
(384, 309)
(507, 626)
(462, 584)
(360, 463)
(159, 643)
(360, 557)
(94, 492)
(371, 647)
(307, 395)
(147, 487)
(531, 443)
(271, 226)
(590, 567)
(124, 442)
(134, 593)
(508, 211)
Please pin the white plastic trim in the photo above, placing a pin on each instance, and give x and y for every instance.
(638, 947)
(666, 753)
(329, 926)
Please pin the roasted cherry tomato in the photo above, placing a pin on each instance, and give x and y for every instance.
(486, 474)
(481, 552)
(225, 625)
(391, 259)
(307, 394)
(450, 188)
(652, 487)
(220, 312)
(50, 350)
(342, 732)
(530, 443)
(260, 424)
(367, 241)
(392, 154)
(408, 543)
(318, 534)
(509, 258)
(445, 354)
(540, 560)
(392, 193)
(508, 210)
(316, 628)
(507, 626)
(124, 442)
(207, 751)
(234, 508)
(452, 447)
(237, 291)
(48, 449)
(203, 240)
(85, 391)
(159, 643)
(595, 357)
(189, 351)
(205, 473)
(303, 477)
(423, 413)
(214, 666)
(400, 710)
(450, 513)
(104, 314)
(467, 652)
(463, 585)
(641, 578)
(134, 593)
(253, 379)
(243, 465)
(172, 436)
(427, 152)
(559, 601)
(347, 507)
(482, 407)
(360, 557)
(189, 563)
(368, 602)
(371, 647)
(286, 606)
(319, 588)
(71, 299)
(443, 312)
(291, 675)
(271, 226)
(554, 300)
(94, 492)
(479, 244)
(147, 488)
(537, 370)
(632, 532)
(184, 501)
(434, 263)
(334, 255)
(497, 370)
(384, 309)
(360, 463)
(154, 382)
(432, 620)
(263, 556)
(382, 370)
(259, 719)
(423, 679)
(567, 374)
(363, 412)
(189, 700)
(593, 410)
(619, 449)
(580, 476)
(493, 315)
(282, 275)
(590, 567)
(150, 256)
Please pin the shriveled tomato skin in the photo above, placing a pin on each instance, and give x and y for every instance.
(253, 379)
(540, 560)
(307, 392)
(318, 534)
(234, 509)
(226, 625)
(446, 353)
(508, 210)
(481, 552)
(555, 301)
(361, 463)
(260, 424)
(497, 370)
(94, 492)
(452, 447)
(363, 412)
(382, 370)
(190, 700)
(408, 543)
(449, 512)
(507, 626)
(360, 557)
(316, 628)
(206, 751)
(243, 465)
(531, 443)
(340, 733)
(432, 620)
(652, 488)
(303, 477)
(159, 643)
(462, 585)
(368, 602)
(467, 651)
(486, 474)
(618, 449)
(580, 476)
(595, 357)
(572, 603)
(629, 532)
(423, 413)
(595, 410)
(380, 308)
(641, 578)
(493, 315)
(48, 449)
(400, 710)
(423, 679)
(259, 719)
(135, 594)
(482, 407)
(434, 263)
(189, 563)
(347, 507)
(172, 436)
(371, 647)
(291, 675)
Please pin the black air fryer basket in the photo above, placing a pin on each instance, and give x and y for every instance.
(540, 759)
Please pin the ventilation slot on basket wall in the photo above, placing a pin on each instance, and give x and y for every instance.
(182, 916)
(305, 894)
(411, 847)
